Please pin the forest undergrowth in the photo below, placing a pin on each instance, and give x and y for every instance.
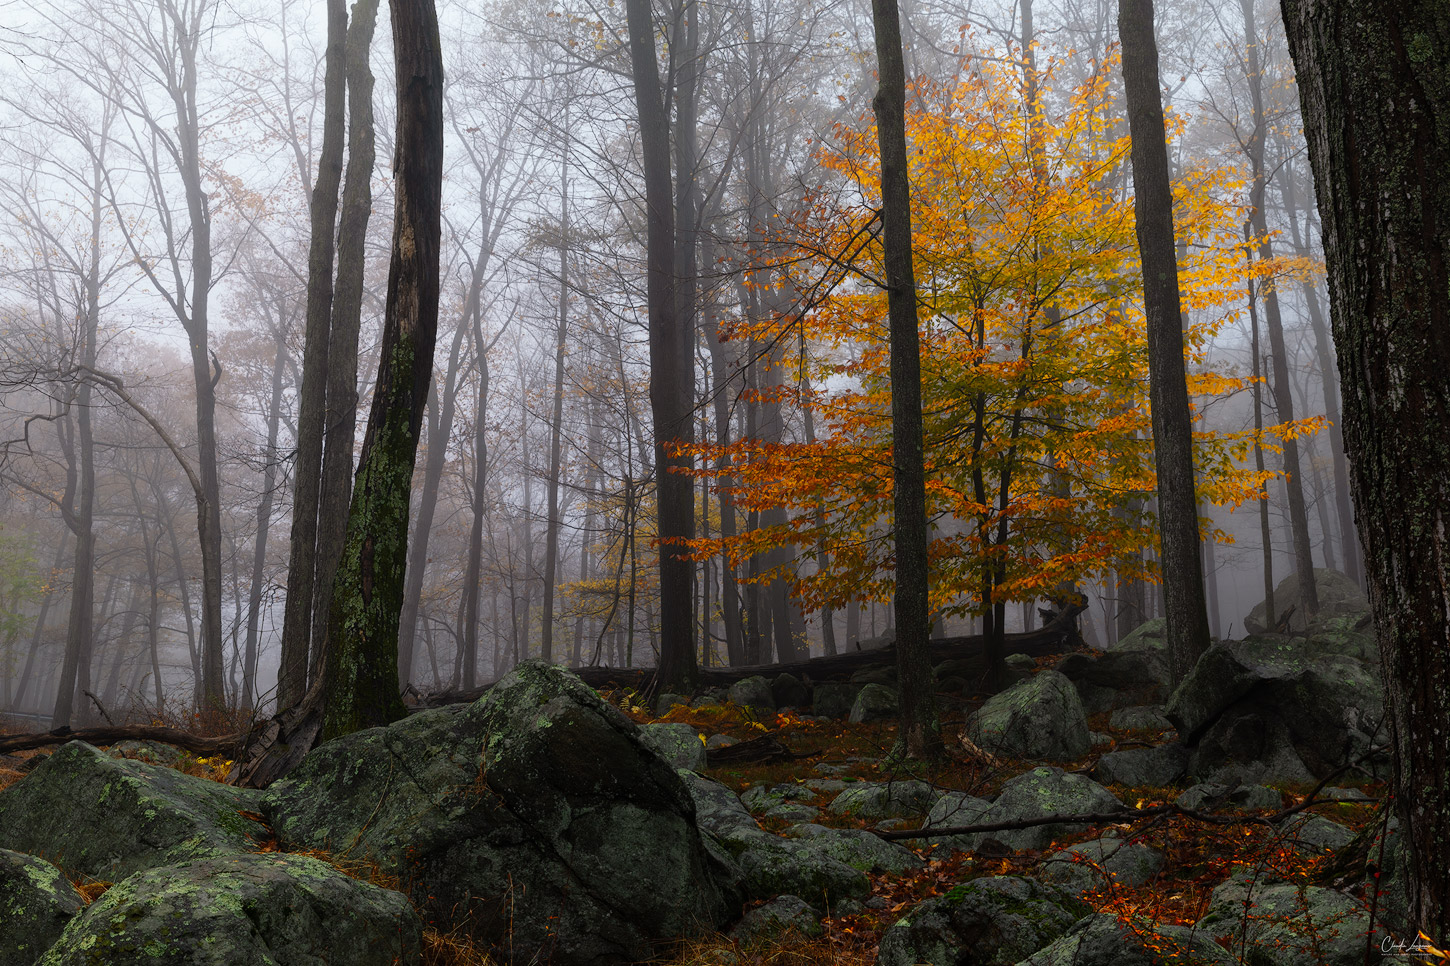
(1199, 856)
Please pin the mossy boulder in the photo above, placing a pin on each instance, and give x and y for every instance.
(858, 848)
(1314, 834)
(678, 744)
(992, 921)
(1338, 597)
(762, 798)
(778, 917)
(877, 800)
(1151, 635)
(1260, 708)
(1143, 767)
(106, 817)
(36, 902)
(242, 910)
(1101, 862)
(954, 809)
(1118, 678)
(1041, 793)
(536, 814)
(1102, 939)
(875, 702)
(1040, 717)
(754, 693)
(770, 865)
(1145, 717)
(1230, 797)
(1282, 924)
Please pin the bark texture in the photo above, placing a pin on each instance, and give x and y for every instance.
(1181, 564)
(361, 672)
(1376, 101)
(920, 734)
(671, 366)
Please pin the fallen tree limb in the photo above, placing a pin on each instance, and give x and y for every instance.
(185, 740)
(766, 748)
(1056, 637)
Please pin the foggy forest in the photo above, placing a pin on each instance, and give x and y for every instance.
(358, 362)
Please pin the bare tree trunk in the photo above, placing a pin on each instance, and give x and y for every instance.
(361, 680)
(1182, 567)
(264, 524)
(1266, 531)
(1349, 548)
(1371, 82)
(920, 731)
(1283, 389)
(556, 422)
(339, 431)
(671, 367)
(297, 623)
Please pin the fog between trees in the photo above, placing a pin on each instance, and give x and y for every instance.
(158, 164)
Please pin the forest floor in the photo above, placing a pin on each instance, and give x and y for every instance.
(1199, 856)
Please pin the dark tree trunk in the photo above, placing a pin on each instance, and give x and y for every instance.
(671, 367)
(361, 679)
(1375, 104)
(312, 405)
(1180, 562)
(1266, 530)
(920, 731)
(556, 420)
(339, 431)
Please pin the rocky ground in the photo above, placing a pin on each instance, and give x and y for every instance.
(546, 822)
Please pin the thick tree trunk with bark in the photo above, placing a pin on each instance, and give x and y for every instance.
(1181, 564)
(920, 730)
(671, 366)
(361, 678)
(1377, 118)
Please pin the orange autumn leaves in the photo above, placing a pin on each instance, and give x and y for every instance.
(1034, 362)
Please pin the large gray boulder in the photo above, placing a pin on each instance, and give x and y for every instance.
(992, 921)
(1273, 709)
(536, 814)
(955, 809)
(106, 818)
(242, 910)
(1041, 793)
(1143, 767)
(36, 902)
(1101, 939)
(858, 848)
(1041, 717)
(675, 742)
(875, 702)
(1338, 597)
(1101, 862)
(770, 865)
(873, 801)
(755, 694)
(1123, 677)
(1283, 924)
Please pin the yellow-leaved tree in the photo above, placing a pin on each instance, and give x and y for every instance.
(1034, 363)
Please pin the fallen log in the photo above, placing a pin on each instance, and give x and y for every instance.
(185, 740)
(1056, 637)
